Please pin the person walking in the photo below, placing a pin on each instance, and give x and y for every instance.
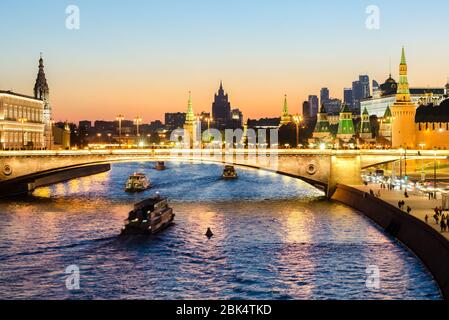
(409, 209)
(426, 218)
(443, 225)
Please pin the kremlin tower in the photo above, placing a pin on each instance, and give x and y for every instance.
(190, 124)
(403, 112)
(286, 117)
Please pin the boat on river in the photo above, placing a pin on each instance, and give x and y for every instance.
(149, 216)
(229, 173)
(137, 182)
(160, 166)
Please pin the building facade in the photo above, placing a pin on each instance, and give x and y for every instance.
(21, 122)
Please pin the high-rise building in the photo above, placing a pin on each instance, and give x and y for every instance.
(348, 98)
(365, 84)
(403, 111)
(313, 105)
(324, 95)
(42, 92)
(221, 108)
(306, 109)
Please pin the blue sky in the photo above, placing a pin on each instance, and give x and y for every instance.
(144, 56)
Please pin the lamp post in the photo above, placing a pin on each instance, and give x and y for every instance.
(120, 118)
(435, 175)
(400, 168)
(22, 121)
(137, 121)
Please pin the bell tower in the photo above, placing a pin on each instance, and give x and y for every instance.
(403, 112)
(42, 92)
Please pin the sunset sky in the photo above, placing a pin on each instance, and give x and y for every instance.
(141, 57)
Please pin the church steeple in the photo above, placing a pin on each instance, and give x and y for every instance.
(41, 89)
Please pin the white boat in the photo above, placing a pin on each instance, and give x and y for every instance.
(137, 182)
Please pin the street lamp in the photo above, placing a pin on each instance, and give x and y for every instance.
(99, 138)
(435, 175)
(120, 118)
(400, 167)
(137, 121)
(298, 120)
(23, 121)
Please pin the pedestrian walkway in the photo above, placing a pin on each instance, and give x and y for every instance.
(418, 202)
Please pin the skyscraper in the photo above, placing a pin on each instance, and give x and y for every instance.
(324, 95)
(365, 85)
(348, 98)
(221, 108)
(313, 105)
(306, 110)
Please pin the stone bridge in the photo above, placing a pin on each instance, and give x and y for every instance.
(23, 171)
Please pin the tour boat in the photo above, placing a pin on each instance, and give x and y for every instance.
(137, 182)
(149, 217)
(160, 166)
(229, 173)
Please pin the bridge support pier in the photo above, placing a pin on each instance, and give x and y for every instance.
(344, 170)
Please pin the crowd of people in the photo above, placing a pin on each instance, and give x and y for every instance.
(440, 219)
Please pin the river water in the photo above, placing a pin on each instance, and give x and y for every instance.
(275, 238)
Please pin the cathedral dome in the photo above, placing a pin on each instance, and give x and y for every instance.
(389, 87)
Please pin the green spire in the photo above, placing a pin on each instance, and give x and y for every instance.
(387, 115)
(403, 92)
(365, 111)
(190, 116)
(403, 60)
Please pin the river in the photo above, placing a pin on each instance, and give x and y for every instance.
(275, 238)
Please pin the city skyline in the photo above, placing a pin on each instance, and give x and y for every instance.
(91, 78)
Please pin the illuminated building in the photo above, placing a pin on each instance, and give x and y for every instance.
(21, 121)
